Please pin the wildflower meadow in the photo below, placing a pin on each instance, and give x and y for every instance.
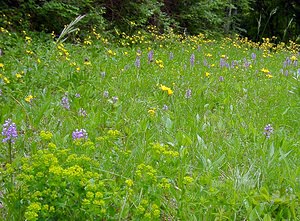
(148, 126)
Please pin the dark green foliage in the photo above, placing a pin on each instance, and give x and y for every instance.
(280, 18)
(128, 15)
(52, 15)
(252, 18)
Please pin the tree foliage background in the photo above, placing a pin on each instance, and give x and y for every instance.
(252, 18)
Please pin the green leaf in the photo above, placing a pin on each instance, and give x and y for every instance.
(267, 217)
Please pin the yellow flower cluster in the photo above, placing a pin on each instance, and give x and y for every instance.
(159, 63)
(29, 98)
(113, 133)
(111, 53)
(152, 112)
(87, 41)
(164, 183)
(129, 182)
(146, 173)
(46, 176)
(167, 89)
(46, 135)
(149, 212)
(28, 39)
(163, 149)
(97, 35)
(294, 58)
(20, 74)
(4, 79)
(29, 52)
(32, 211)
(266, 72)
(188, 180)
(63, 51)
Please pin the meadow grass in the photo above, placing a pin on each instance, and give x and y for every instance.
(153, 127)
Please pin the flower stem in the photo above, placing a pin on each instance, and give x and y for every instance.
(10, 152)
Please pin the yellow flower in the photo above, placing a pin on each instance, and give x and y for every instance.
(111, 53)
(294, 58)
(87, 42)
(87, 63)
(269, 75)
(51, 145)
(46, 135)
(207, 74)
(86, 202)
(147, 215)
(151, 112)
(113, 133)
(28, 39)
(98, 195)
(18, 75)
(99, 202)
(188, 179)
(1, 65)
(6, 80)
(208, 55)
(52, 34)
(170, 92)
(29, 98)
(89, 195)
(29, 52)
(164, 88)
(140, 209)
(264, 70)
(129, 182)
(52, 209)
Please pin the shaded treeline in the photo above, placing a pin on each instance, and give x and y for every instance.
(252, 18)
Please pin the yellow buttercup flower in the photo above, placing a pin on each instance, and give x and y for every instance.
(294, 58)
(165, 88)
(111, 53)
(28, 39)
(151, 112)
(6, 80)
(29, 98)
(87, 42)
(264, 70)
